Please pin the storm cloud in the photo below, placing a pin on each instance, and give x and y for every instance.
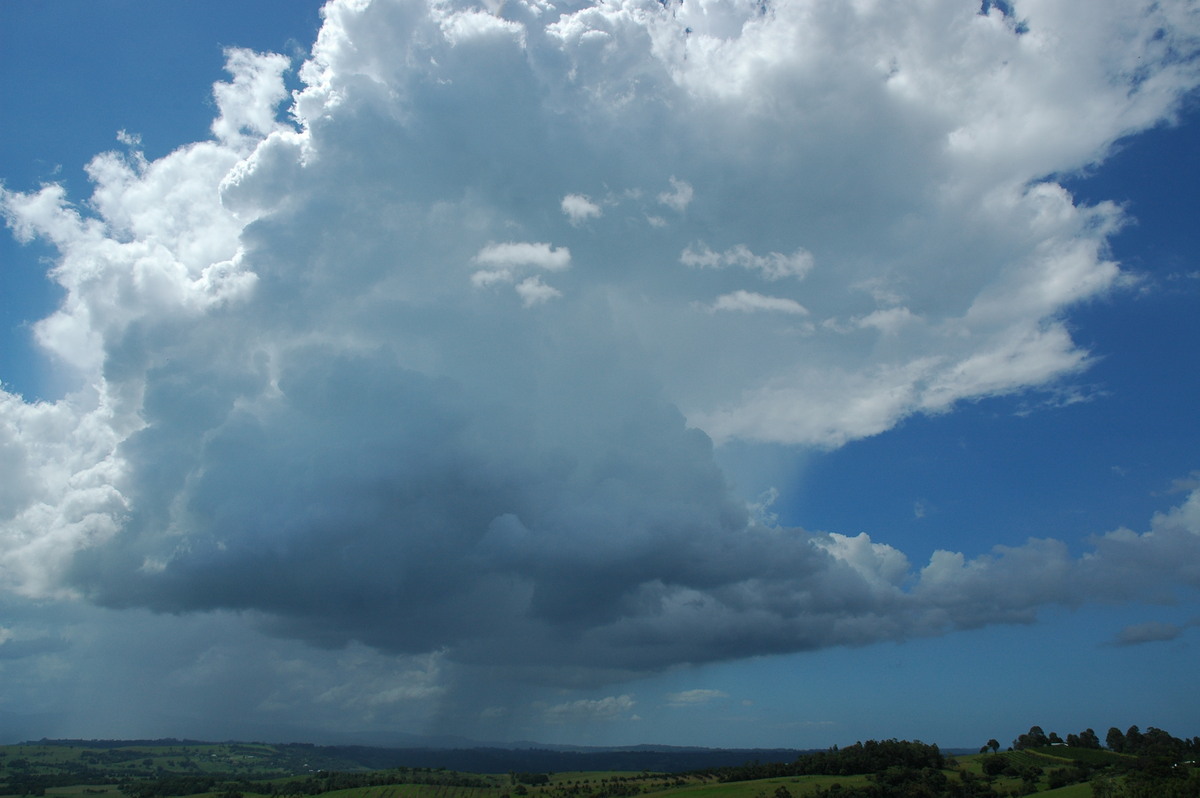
(431, 355)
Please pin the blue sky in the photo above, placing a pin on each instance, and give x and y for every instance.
(636, 373)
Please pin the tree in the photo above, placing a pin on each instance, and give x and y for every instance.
(993, 766)
(1156, 742)
(1102, 786)
(1133, 740)
(1115, 740)
(994, 745)
(1029, 778)
(1034, 738)
(1088, 739)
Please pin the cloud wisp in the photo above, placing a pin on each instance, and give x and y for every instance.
(1151, 632)
(384, 374)
(688, 698)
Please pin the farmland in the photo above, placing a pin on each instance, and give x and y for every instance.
(172, 768)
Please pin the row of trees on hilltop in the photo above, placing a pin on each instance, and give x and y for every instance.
(1153, 742)
(1036, 738)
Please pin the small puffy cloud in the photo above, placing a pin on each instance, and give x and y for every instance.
(679, 197)
(484, 278)
(508, 259)
(578, 208)
(688, 698)
(534, 292)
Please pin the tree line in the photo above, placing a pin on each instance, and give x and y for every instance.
(1153, 742)
(869, 757)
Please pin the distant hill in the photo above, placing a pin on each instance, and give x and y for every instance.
(478, 759)
(658, 759)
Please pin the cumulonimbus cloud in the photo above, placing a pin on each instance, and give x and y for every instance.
(292, 397)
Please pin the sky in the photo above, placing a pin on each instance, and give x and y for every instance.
(775, 374)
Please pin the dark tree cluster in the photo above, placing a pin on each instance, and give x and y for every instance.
(329, 782)
(606, 787)
(1085, 739)
(1152, 743)
(873, 756)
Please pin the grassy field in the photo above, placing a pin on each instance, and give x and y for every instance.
(590, 783)
(1092, 756)
(254, 760)
(266, 768)
(84, 791)
(1070, 791)
(414, 791)
(762, 788)
(236, 770)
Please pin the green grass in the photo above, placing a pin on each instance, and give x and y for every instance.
(972, 763)
(414, 791)
(1092, 756)
(596, 777)
(84, 791)
(241, 760)
(1083, 790)
(762, 788)
(257, 768)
